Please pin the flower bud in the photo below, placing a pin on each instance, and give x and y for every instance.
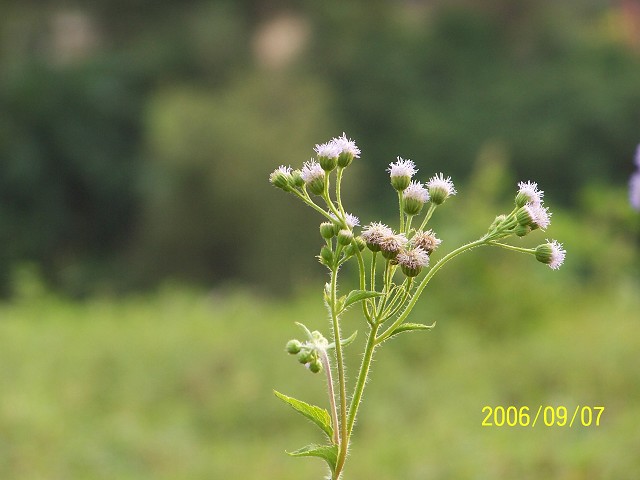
(296, 179)
(400, 173)
(315, 366)
(327, 230)
(551, 253)
(305, 356)
(328, 163)
(528, 193)
(345, 158)
(281, 178)
(294, 346)
(345, 237)
(440, 188)
(326, 256)
(414, 196)
(522, 230)
(313, 176)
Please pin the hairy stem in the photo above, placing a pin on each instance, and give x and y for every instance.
(332, 397)
(362, 378)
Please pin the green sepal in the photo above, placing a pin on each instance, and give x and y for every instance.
(355, 296)
(317, 415)
(345, 342)
(306, 330)
(329, 453)
(408, 327)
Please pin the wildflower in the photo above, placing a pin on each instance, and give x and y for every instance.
(373, 234)
(401, 172)
(551, 253)
(327, 230)
(412, 261)
(634, 190)
(345, 237)
(281, 177)
(313, 176)
(350, 221)
(535, 216)
(528, 193)
(347, 150)
(328, 155)
(440, 188)
(427, 241)
(415, 196)
(390, 245)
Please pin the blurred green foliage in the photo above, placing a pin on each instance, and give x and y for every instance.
(136, 138)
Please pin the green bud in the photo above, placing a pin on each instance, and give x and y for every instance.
(316, 186)
(345, 159)
(345, 237)
(412, 206)
(281, 177)
(327, 163)
(544, 253)
(522, 230)
(400, 182)
(499, 219)
(410, 271)
(315, 366)
(305, 356)
(326, 256)
(296, 179)
(327, 230)
(294, 346)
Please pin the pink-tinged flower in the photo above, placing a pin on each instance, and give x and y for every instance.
(634, 190)
(402, 168)
(528, 193)
(551, 253)
(534, 215)
(351, 220)
(427, 241)
(346, 146)
(281, 177)
(412, 261)
(328, 150)
(440, 188)
(414, 197)
(311, 171)
(373, 234)
(391, 245)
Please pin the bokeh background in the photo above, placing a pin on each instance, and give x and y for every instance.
(150, 275)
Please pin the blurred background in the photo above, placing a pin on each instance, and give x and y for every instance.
(150, 275)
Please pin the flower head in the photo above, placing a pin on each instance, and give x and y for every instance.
(390, 245)
(313, 176)
(280, 177)
(528, 193)
(350, 220)
(440, 188)
(401, 172)
(414, 196)
(534, 216)
(412, 261)
(348, 150)
(427, 241)
(373, 234)
(551, 253)
(634, 190)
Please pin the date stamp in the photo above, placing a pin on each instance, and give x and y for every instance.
(547, 415)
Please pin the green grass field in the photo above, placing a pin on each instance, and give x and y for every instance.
(178, 385)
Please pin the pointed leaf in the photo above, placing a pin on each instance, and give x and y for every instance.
(327, 452)
(408, 327)
(317, 415)
(344, 342)
(357, 295)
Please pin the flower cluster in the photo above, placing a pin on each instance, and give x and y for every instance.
(310, 352)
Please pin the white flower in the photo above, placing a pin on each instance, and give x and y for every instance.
(373, 234)
(557, 254)
(540, 216)
(427, 241)
(440, 188)
(402, 168)
(415, 191)
(392, 244)
(311, 170)
(414, 258)
(346, 145)
(350, 220)
(328, 150)
(529, 193)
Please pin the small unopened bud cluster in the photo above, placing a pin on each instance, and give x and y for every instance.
(309, 352)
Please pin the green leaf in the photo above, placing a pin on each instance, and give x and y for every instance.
(345, 342)
(408, 327)
(317, 415)
(358, 295)
(327, 452)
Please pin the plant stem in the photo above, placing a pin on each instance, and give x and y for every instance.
(332, 397)
(362, 378)
(342, 453)
(403, 316)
